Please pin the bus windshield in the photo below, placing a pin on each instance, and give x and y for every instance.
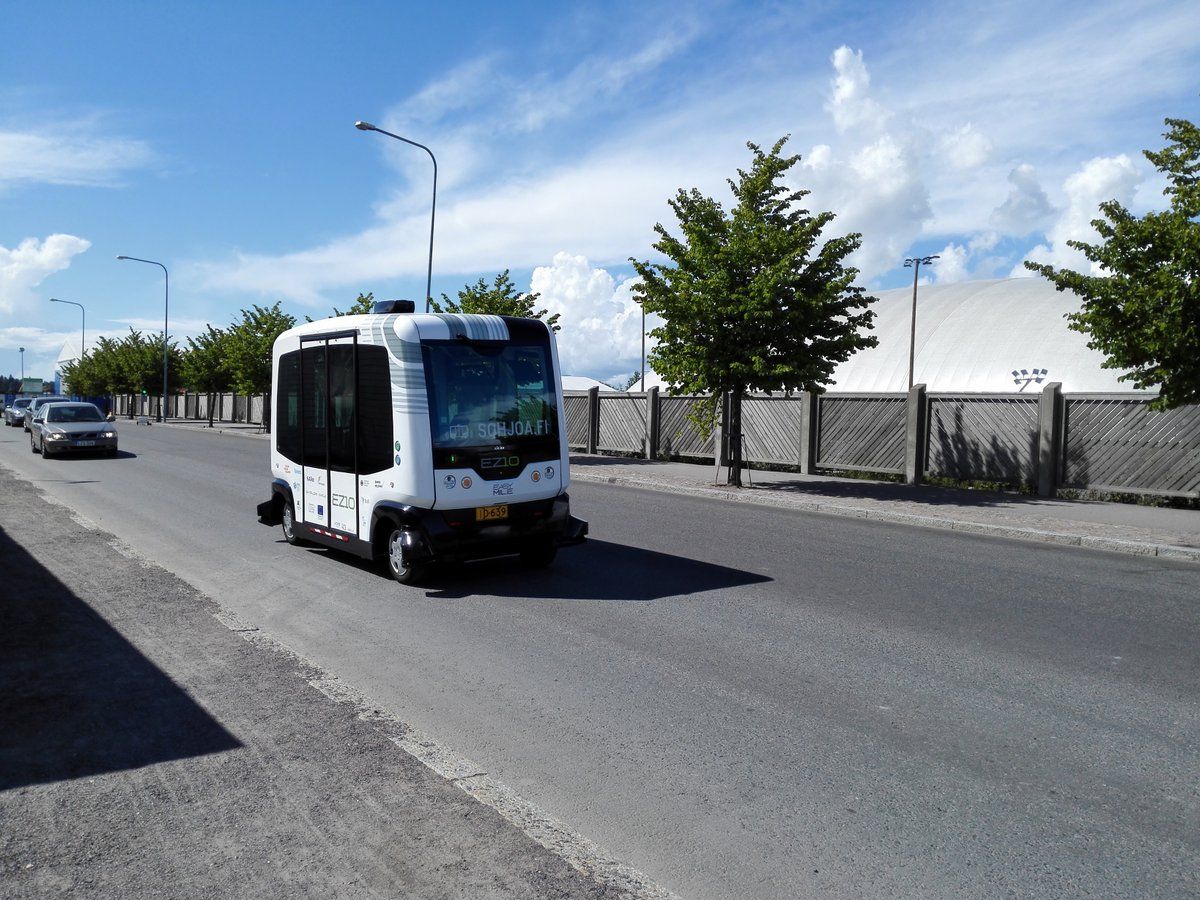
(485, 396)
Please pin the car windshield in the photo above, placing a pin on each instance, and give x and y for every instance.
(22, 403)
(73, 414)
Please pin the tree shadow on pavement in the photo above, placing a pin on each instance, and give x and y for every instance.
(79, 699)
(595, 570)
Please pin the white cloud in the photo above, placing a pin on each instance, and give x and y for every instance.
(876, 190)
(850, 104)
(1027, 208)
(27, 265)
(69, 154)
(965, 147)
(601, 322)
(1098, 180)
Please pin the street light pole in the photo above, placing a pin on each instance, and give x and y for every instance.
(166, 307)
(22, 349)
(915, 264)
(367, 126)
(82, 324)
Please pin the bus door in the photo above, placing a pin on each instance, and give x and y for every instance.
(328, 428)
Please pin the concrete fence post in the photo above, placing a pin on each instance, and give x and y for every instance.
(1049, 438)
(652, 423)
(914, 437)
(808, 432)
(593, 433)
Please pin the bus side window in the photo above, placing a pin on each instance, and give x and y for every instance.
(341, 408)
(287, 407)
(375, 447)
(314, 402)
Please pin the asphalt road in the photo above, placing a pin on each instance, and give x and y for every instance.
(744, 701)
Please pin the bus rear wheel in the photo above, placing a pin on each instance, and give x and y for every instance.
(402, 569)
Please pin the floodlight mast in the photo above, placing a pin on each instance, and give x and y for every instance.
(915, 263)
(367, 126)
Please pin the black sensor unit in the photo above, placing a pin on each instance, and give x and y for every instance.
(393, 306)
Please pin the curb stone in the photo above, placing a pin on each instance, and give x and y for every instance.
(1015, 532)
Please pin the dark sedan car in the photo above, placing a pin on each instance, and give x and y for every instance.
(71, 427)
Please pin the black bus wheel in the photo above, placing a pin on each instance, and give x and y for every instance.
(539, 555)
(398, 564)
(288, 522)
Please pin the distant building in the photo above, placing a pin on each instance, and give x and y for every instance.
(68, 354)
(583, 383)
(995, 336)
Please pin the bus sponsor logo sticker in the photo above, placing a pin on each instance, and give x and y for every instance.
(502, 490)
(549, 471)
(449, 482)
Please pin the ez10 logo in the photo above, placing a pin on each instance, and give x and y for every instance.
(1025, 377)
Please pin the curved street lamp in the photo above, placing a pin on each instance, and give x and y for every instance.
(915, 264)
(166, 305)
(367, 126)
(82, 324)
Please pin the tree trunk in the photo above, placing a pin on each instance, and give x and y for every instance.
(735, 438)
(210, 409)
(266, 416)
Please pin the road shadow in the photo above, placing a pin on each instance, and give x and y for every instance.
(595, 570)
(96, 454)
(78, 699)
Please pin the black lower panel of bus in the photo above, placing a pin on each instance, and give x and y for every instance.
(456, 535)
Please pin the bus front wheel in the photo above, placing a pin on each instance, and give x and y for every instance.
(403, 570)
(288, 522)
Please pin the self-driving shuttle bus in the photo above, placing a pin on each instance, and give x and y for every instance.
(417, 438)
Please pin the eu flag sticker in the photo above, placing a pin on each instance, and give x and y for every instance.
(320, 510)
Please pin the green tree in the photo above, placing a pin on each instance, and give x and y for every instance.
(139, 361)
(1143, 311)
(250, 342)
(500, 298)
(205, 366)
(753, 300)
(362, 306)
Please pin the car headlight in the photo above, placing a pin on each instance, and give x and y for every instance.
(56, 437)
(108, 434)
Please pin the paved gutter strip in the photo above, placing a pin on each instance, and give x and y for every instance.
(555, 836)
(40, 857)
(1091, 542)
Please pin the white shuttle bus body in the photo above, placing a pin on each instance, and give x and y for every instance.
(419, 438)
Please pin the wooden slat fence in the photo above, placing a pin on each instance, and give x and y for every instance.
(1119, 443)
(771, 430)
(976, 437)
(677, 436)
(575, 409)
(862, 431)
(622, 423)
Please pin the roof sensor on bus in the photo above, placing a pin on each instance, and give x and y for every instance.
(383, 307)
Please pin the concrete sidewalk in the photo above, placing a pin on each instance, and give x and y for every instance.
(1120, 527)
(1097, 525)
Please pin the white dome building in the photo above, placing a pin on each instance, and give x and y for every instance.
(978, 336)
(975, 336)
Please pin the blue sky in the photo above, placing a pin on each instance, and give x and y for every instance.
(218, 138)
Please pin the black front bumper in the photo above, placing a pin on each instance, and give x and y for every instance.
(454, 534)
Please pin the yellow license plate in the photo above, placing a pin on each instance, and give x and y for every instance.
(491, 513)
